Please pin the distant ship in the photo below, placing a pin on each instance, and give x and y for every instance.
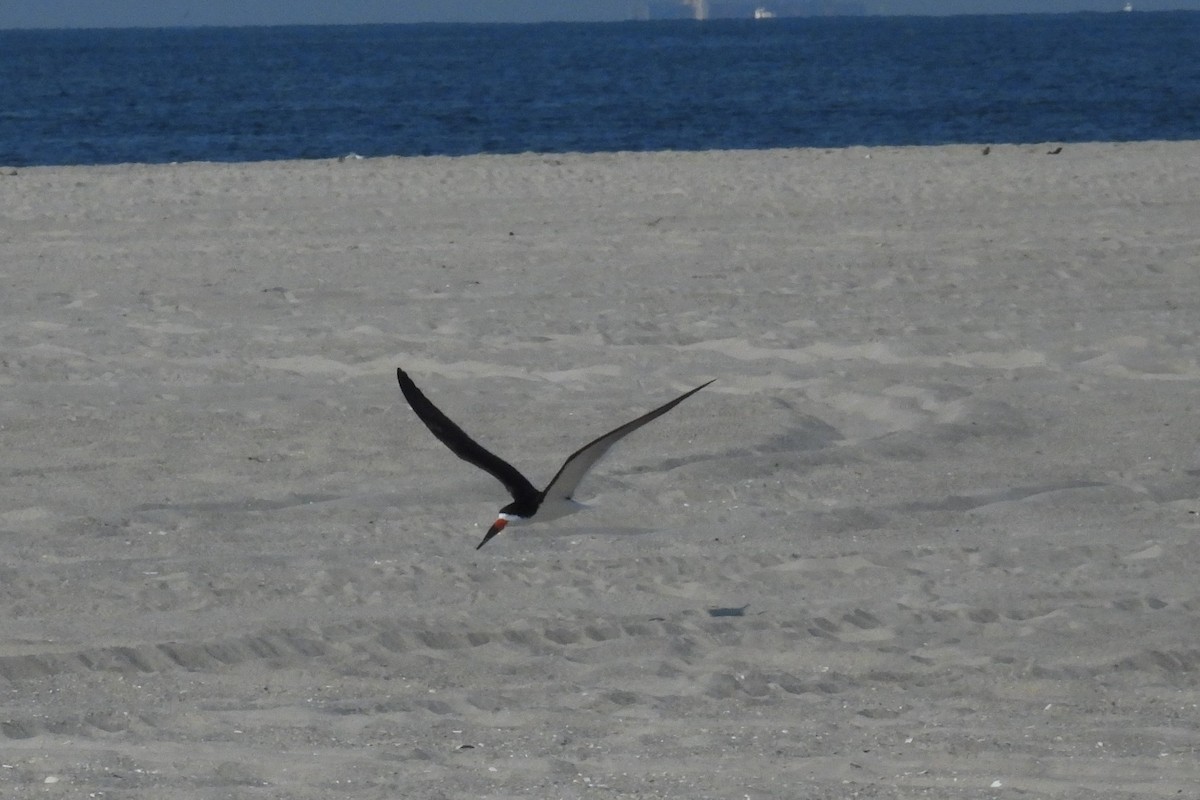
(747, 9)
(1128, 7)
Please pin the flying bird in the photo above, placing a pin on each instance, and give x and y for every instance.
(529, 504)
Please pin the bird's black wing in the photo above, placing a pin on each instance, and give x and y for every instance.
(577, 465)
(463, 445)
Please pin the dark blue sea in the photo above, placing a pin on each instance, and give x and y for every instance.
(250, 94)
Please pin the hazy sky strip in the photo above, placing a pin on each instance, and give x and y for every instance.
(173, 13)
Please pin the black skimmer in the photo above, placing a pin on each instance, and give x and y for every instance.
(529, 504)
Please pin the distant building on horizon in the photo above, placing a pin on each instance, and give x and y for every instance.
(747, 9)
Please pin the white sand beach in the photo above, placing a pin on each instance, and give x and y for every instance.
(934, 532)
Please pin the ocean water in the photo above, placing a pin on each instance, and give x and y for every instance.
(249, 94)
